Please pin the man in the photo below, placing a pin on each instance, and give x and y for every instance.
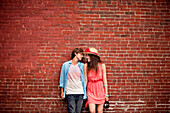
(72, 82)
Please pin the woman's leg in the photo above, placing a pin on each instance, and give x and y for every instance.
(92, 108)
(100, 108)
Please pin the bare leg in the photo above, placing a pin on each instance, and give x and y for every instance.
(100, 108)
(92, 108)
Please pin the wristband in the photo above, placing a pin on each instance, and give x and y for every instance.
(105, 85)
(106, 95)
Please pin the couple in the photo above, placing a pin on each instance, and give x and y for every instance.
(75, 76)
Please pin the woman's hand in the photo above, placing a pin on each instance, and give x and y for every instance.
(106, 98)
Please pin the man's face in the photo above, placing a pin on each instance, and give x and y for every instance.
(79, 56)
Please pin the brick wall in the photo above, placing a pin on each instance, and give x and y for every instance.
(37, 36)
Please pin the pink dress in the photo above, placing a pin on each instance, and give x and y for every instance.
(95, 87)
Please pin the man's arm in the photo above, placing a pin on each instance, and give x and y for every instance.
(62, 92)
(62, 80)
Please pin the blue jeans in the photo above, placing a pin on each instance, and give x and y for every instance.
(74, 103)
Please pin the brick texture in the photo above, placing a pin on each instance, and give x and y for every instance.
(132, 36)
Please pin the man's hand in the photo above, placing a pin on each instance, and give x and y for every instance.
(62, 93)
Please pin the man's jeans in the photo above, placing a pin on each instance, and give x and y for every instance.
(74, 103)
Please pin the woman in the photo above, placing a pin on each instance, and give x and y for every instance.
(96, 82)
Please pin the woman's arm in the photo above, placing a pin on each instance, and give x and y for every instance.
(105, 81)
(85, 73)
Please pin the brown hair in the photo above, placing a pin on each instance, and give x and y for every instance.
(76, 50)
(94, 61)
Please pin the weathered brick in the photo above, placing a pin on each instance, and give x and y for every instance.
(38, 36)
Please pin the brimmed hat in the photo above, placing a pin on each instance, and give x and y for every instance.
(92, 51)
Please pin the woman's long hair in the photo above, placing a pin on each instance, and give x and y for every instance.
(94, 61)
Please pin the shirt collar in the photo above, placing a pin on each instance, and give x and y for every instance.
(70, 62)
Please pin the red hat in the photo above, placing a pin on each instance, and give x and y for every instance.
(91, 51)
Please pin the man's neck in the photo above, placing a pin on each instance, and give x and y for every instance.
(74, 61)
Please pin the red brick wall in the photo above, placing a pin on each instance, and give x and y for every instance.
(37, 36)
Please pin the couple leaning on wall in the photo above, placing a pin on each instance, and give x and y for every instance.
(80, 81)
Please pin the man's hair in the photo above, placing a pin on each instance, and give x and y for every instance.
(76, 50)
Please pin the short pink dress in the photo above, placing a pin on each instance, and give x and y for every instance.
(95, 87)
